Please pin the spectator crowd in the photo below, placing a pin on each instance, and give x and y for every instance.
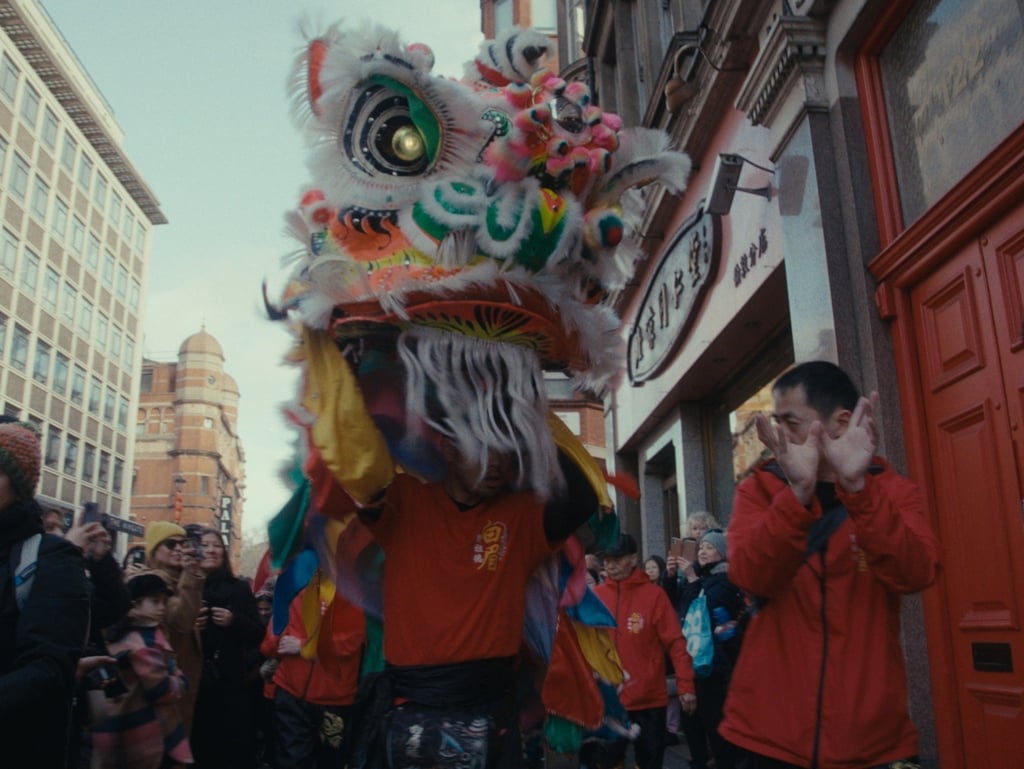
(170, 659)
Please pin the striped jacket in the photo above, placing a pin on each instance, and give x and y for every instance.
(144, 724)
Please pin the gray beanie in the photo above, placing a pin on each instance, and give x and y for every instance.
(716, 539)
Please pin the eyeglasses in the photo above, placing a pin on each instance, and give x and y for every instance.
(173, 544)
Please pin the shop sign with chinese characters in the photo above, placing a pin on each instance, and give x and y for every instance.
(675, 295)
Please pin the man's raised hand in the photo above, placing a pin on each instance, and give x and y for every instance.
(851, 453)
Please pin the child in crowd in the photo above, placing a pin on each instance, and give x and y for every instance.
(142, 728)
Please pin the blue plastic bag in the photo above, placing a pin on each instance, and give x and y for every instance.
(699, 641)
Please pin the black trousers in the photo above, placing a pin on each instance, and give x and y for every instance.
(711, 694)
(311, 736)
(649, 747)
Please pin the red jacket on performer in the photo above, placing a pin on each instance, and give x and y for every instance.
(830, 621)
(331, 675)
(646, 628)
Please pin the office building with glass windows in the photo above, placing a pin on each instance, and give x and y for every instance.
(75, 224)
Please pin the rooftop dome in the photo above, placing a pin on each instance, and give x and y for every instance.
(201, 342)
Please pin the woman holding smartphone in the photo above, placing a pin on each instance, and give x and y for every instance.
(230, 627)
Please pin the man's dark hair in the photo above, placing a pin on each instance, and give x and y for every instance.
(826, 385)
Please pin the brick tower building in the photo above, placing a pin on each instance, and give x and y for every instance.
(189, 461)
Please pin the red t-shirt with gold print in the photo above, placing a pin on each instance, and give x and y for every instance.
(454, 580)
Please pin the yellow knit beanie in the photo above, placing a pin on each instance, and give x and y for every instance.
(158, 531)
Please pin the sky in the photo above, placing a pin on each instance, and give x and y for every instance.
(200, 89)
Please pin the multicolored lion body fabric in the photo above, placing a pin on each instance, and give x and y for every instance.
(458, 239)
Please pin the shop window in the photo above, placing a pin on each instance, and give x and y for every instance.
(747, 449)
(951, 79)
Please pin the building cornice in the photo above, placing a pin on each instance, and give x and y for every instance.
(21, 22)
(793, 55)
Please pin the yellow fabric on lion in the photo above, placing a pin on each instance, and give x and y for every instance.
(343, 431)
(599, 651)
(315, 598)
(572, 448)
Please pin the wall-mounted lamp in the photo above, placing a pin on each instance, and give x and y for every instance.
(725, 183)
(681, 88)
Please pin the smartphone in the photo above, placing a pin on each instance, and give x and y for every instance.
(689, 549)
(90, 513)
(136, 556)
(675, 548)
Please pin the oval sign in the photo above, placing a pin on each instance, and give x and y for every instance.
(675, 295)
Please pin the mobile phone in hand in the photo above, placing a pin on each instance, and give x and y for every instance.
(689, 549)
(90, 513)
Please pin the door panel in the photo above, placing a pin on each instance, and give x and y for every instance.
(971, 386)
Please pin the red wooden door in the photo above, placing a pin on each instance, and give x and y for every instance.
(967, 318)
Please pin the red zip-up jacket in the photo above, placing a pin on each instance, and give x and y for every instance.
(646, 626)
(821, 680)
(331, 678)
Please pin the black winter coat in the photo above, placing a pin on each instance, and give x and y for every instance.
(40, 645)
(222, 732)
(720, 593)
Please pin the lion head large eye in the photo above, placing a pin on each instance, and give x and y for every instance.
(380, 134)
